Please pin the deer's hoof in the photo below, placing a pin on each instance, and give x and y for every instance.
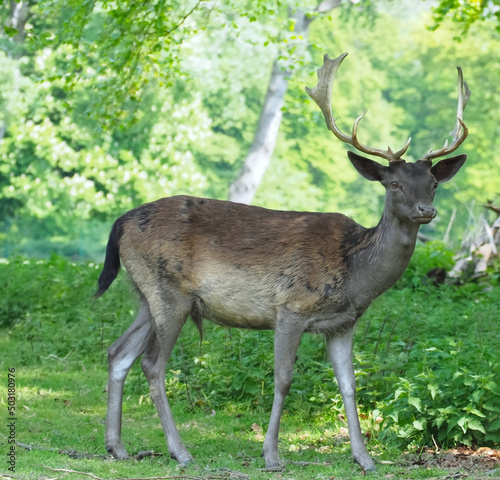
(118, 451)
(366, 463)
(273, 463)
(183, 457)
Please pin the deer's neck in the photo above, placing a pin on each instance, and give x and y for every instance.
(378, 266)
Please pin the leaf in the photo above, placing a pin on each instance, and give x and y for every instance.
(398, 393)
(416, 402)
(448, 410)
(461, 423)
(478, 413)
(477, 395)
(493, 437)
(439, 421)
(491, 407)
(10, 31)
(394, 416)
(417, 425)
(433, 389)
(475, 424)
(494, 387)
(405, 432)
(495, 425)
(239, 380)
(442, 435)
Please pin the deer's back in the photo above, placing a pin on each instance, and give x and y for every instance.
(240, 263)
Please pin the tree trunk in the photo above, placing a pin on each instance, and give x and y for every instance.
(19, 15)
(243, 189)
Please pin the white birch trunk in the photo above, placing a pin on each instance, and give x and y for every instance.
(243, 189)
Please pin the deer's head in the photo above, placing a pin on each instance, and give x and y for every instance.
(410, 187)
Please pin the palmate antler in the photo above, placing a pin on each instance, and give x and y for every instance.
(322, 95)
(460, 131)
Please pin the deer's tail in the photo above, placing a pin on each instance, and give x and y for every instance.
(111, 262)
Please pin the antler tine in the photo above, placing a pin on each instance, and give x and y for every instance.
(460, 131)
(322, 95)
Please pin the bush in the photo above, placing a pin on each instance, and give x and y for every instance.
(444, 401)
(430, 366)
(427, 256)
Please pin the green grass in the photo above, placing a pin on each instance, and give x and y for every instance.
(426, 361)
(61, 408)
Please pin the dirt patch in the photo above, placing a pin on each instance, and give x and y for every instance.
(483, 462)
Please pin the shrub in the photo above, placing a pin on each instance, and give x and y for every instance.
(444, 401)
(427, 256)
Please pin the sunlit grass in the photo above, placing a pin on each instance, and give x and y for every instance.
(221, 391)
(61, 413)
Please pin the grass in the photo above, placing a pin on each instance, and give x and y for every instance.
(426, 360)
(62, 411)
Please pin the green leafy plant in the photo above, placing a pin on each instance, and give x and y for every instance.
(445, 401)
(427, 256)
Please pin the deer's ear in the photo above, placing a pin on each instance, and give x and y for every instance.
(367, 168)
(446, 169)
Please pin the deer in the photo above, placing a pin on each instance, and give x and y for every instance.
(249, 267)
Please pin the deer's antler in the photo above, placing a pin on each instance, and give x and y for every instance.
(322, 95)
(460, 131)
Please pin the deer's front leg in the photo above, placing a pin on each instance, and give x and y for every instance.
(286, 342)
(340, 351)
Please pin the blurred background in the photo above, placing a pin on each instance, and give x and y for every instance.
(107, 105)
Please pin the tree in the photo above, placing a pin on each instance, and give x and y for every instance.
(64, 177)
(243, 188)
(119, 49)
(115, 49)
(466, 13)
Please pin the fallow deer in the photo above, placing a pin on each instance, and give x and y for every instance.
(249, 267)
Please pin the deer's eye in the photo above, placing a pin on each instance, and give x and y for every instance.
(394, 185)
(436, 185)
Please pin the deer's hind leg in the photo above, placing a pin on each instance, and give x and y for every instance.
(169, 313)
(121, 356)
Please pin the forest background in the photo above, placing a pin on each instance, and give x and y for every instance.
(104, 107)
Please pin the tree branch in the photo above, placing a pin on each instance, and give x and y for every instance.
(72, 471)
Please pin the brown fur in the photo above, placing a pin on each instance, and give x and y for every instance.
(204, 247)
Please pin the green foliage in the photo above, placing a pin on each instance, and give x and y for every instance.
(466, 13)
(63, 178)
(426, 257)
(115, 50)
(430, 366)
(447, 401)
(426, 358)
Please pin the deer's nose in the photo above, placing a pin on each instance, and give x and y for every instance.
(427, 211)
